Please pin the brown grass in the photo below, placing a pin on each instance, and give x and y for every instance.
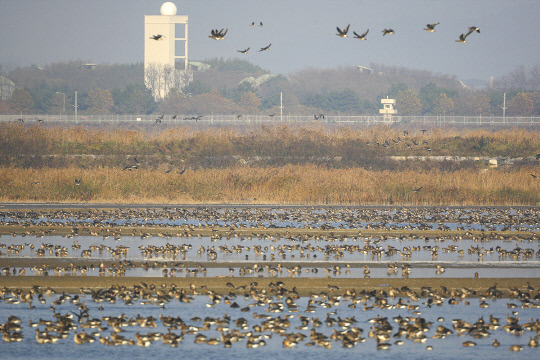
(267, 140)
(291, 184)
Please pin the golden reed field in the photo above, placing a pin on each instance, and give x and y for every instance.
(267, 164)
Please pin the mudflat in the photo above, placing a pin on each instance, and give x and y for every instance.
(303, 286)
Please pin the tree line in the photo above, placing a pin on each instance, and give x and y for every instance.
(234, 86)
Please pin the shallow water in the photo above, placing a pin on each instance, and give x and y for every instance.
(315, 256)
(450, 347)
(350, 254)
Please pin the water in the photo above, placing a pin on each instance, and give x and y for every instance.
(259, 256)
(442, 348)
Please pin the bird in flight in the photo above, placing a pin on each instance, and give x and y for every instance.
(472, 29)
(158, 119)
(157, 37)
(361, 37)
(417, 190)
(431, 27)
(534, 176)
(343, 33)
(463, 37)
(260, 23)
(78, 181)
(266, 47)
(387, 31)
(245, 51)
(174, 116)
(218, 34)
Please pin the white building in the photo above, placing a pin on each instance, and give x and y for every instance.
(388, 109)
(163, 68)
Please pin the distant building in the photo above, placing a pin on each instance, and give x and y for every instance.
(388, 108)
(6, 88)
(364, 69)
(163, 68)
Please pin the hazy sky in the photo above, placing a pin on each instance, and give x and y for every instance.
(302, 33)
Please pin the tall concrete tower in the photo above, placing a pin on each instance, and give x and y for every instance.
(163, 69)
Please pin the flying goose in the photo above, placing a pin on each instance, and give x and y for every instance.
(244, 51)
(266, 47)
(431, 27)
(157, 37)
(462, 38)
(472, 29)
(343, 33)
(388, 31)
(218, 34)
(361, 37)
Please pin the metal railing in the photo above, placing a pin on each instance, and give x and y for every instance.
(215, 119)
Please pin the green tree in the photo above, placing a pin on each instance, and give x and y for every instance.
(408, 103)
(535, 97)
(395, 89)
(345, 101)
(99, 102)
(134, 99)
(21, 101)
(196, 87)
(520, 105)
(429, 93)
(443, 105)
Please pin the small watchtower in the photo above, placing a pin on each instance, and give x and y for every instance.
(388, 109)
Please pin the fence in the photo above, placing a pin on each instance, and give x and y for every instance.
(275, 119)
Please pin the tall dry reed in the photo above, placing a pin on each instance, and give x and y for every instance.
(291, 184)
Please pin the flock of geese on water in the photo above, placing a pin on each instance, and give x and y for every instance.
(264, 249)
(276, 312)
(284, 218)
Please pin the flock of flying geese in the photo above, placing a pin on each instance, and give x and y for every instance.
(220, 35)
(429, 27)
(217, 34)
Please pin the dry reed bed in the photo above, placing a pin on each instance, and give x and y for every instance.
(266, 140)
(291, 184)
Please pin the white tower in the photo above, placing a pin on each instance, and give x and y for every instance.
(388, 108)
(163, 69)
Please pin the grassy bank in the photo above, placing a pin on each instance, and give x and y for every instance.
(290, 184)
(271, 145)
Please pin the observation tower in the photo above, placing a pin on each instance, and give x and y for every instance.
(166, 50)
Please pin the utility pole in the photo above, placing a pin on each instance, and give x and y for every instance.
(76, 106)
(64, 95)
(281, 106)
(504, 108)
